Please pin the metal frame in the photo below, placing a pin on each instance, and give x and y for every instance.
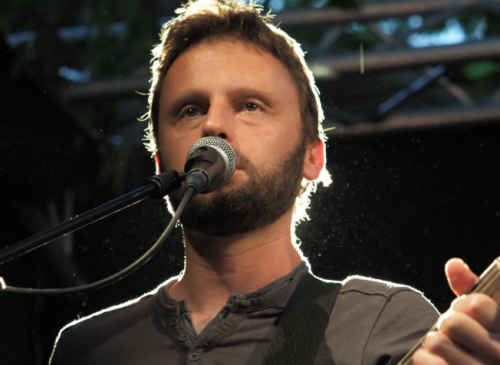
(385, 57)
(376, 10)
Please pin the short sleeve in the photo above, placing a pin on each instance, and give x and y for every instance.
(404, 319)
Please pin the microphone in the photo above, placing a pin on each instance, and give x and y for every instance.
(210, 163)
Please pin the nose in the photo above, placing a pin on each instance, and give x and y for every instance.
(219, 121)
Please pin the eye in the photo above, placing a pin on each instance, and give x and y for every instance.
(189, 112)
(251, 107)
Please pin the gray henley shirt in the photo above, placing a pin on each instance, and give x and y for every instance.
(372, 323)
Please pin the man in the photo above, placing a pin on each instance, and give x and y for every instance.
(222, 70)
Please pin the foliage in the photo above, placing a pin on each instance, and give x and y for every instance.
(109, 53)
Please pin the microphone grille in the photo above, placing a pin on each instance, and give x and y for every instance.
(225, 150)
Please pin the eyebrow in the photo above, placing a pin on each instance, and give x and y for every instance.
(257, 92)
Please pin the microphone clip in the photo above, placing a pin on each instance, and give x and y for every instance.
(166, 182)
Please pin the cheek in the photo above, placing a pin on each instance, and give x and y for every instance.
(172, 160)
(171, 154)
(174, 148)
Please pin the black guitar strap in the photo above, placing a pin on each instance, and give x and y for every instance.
(302, 325)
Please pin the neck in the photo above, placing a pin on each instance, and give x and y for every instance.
(219, 266)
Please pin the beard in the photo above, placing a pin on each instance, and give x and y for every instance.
(265, 197)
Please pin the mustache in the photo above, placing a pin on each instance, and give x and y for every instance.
(242, 161)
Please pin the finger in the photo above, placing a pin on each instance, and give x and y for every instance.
(481, 308)
(472, 336)
(460, 277)
(440, 345)
(424, 357)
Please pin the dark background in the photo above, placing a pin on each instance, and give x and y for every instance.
(401, 203)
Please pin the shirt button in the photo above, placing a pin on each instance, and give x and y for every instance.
(194, 356)
(174, 321)
(183, 337)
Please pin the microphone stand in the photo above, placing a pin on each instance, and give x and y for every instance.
(214, 164)
(156, 187)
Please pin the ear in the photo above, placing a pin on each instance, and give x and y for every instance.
(314, 160)
(157, 163)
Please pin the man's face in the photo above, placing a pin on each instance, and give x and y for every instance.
(232, 90)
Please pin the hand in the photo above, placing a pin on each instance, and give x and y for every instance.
(469, 332)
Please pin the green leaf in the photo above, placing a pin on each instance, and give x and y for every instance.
(481, 70)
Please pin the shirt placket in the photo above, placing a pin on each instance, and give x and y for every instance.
(199, 346)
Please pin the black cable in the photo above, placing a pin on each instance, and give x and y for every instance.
(156, 187)
(121, 274)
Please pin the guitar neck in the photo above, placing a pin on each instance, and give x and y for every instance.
(488, 283)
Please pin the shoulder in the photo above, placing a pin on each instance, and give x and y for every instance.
(80, 337)
(374, 318)
(375, 287)
(381, 291)
(366, 294)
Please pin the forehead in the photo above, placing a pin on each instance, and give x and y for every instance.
(242, 62)
(229, 44)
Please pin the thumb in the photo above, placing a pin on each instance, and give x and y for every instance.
(460, 277)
